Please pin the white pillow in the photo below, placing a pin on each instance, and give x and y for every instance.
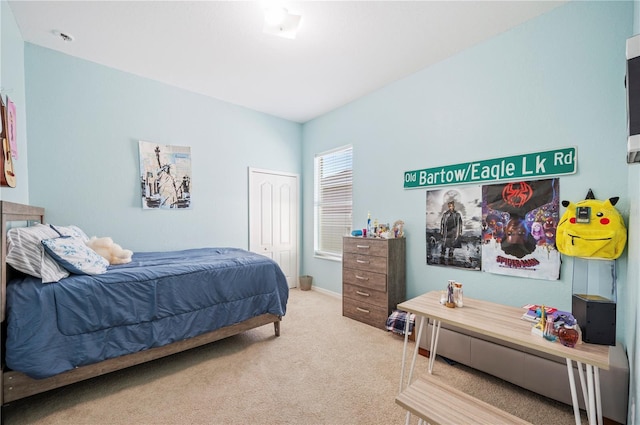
(26, 253)
(75, 256)
(73, 231)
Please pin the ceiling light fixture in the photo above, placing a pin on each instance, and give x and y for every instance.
(278, 21)
(274, 15)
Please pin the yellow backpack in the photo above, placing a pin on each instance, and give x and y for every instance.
(591, 228)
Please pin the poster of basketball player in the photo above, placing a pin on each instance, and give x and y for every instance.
(519, 222)
(454, 227)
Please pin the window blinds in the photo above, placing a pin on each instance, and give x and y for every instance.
(333, 200)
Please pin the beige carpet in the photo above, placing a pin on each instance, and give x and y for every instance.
(323, 369)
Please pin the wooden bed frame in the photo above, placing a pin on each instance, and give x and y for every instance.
(16, 385)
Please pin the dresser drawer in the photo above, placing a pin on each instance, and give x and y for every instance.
(365, 279)
(373, 278)
(366, 246)
(365, 295)
(364, 262)
(366, 313)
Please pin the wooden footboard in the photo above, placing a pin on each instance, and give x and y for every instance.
(17, 385)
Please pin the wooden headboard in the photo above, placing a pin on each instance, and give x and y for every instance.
(12, 212)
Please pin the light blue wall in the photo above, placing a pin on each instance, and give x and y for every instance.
(85, 121)
(12, 85)
(554, 82)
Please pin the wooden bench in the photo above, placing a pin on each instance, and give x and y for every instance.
(440, 404)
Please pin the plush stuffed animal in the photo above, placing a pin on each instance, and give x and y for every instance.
(111, 251)
(591, 228)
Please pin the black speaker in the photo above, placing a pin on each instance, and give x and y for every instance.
(597, 318)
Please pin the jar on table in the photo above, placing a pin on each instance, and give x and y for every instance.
(568, 335)
(458, 296)
(443, 297)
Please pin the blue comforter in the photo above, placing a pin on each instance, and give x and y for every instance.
(158, 298)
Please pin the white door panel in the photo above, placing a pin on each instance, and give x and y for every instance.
(273, 219)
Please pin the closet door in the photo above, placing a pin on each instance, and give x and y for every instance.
(273, 219)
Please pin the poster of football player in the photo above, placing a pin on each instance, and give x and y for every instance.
(519, 221)
(453, 227)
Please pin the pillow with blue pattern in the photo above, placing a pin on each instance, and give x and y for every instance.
(75, 256)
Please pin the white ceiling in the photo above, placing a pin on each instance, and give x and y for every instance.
(343, 50)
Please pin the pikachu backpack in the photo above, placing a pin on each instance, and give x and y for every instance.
(591, 228)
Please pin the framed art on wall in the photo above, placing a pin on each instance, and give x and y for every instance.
(165, 176)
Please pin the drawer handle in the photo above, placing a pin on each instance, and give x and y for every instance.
(363, 246)
(362, 310)
(361, 277)
(362, 261)
(364, 294)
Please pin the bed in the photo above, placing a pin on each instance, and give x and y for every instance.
(84, 325)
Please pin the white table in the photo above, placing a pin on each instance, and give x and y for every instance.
(505, 323)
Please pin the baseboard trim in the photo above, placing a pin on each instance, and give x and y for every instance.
(327, 292)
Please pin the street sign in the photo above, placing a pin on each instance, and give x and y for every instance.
(517, 167)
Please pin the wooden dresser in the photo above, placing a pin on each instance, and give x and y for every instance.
(373, 278)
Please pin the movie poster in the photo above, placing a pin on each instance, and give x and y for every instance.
(519, 221)
(165, 173)
(453, 227)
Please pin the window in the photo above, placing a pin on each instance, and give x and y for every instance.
(332, 200)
